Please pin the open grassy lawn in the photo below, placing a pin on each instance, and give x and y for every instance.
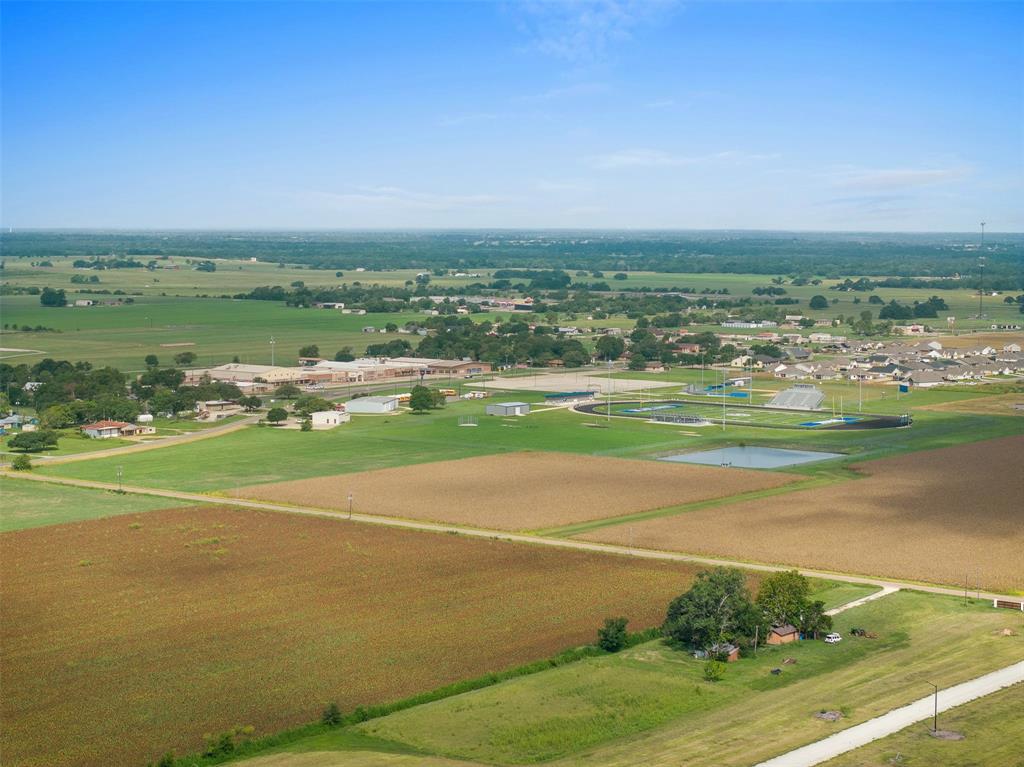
(991, 727)
(69, 442)
(34, 504)
(198, 620)
(649, 705)
(258, 455)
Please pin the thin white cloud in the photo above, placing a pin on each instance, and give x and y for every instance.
(581, 31)
(569, 91)
(545, 185)
(657, 158)
(398, 198)
(469, 117)
(660, 104)
(897, 178)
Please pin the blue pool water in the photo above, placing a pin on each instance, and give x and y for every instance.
(751, 457)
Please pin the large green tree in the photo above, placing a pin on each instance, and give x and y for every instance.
(609, 347)
(782, 597)
(421, 399)
(717, 608)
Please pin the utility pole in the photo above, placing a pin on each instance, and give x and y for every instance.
(120, 475)
(272, 342)
(935, 715)
(350, 506)
(722, 393)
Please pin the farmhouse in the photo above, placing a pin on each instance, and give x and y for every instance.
(372, 405)
(508, 408)
(328, 419)
(782, 634)
(112, 429)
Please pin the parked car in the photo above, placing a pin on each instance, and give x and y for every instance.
(833, 638)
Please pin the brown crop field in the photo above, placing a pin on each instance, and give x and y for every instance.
(519, 491)
(996, 404)
(123, 637)
(938, 516)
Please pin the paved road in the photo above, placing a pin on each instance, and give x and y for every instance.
(898, 719)
(563, 543)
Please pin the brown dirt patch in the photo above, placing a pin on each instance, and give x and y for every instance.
(124, 637)
(519, 491)
(934, 516)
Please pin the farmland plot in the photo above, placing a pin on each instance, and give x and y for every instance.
(194, 621)
(520, 491)
(939, 516)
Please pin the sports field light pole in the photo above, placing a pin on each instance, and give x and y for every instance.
(722, 395)
(935, 715)
(609, 393)
(272, 342)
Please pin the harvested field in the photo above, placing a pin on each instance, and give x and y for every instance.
(997, 404)
(975, 340)
(934, 516)
(519, 491)
(194, 621)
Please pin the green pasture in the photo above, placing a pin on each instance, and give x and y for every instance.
(990, 726)
(642, 703)
(34, 504)
(963, 304)
(232, 276)
(216, 330)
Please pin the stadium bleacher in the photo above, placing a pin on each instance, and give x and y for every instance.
(799, 397)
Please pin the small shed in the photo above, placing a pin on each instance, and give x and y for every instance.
(508, 408)
(724, 650)
(328, 419)
(783, 634)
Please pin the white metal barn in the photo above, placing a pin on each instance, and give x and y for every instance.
(508, 408)
(372, 405)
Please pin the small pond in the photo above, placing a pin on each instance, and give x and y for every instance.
(751, 457)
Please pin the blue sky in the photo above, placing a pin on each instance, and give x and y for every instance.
(839, 116)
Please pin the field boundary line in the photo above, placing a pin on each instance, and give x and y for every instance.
(564, 543)
(898, 719)
(566, 531)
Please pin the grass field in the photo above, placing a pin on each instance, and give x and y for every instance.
(194, 621)
(217, 329)
(69, 442)
(256, 455)
(991, 728)
(942, 516)
(649, 705)
(34, 504)
(519, 491)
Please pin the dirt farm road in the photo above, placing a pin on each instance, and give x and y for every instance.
(887, 585)
(139, 447)
(898, 719)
